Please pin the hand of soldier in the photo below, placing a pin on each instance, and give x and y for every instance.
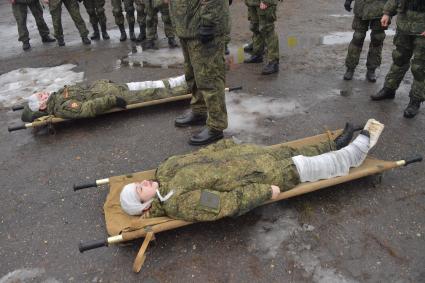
(347, 5)
(120, 102)
(275, 191)
(423, 34)
(206, 34)
(46, 1)
(263, 6)
(385, 21)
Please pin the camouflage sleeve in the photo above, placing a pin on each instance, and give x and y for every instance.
(210, 10)
(390, 7)
(73, 109)
(270, 2)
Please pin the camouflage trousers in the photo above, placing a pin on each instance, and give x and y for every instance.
(20, 12)
(152, 20)
(96, 11)
(141, 12)
(204, 69)
(408, 46)
(264, 34)
(377, 37)
(55, 7)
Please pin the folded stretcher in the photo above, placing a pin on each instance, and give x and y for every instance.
(122, 227)
(50, 119)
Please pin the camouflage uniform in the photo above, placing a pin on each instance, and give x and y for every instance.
(55, 7)
(204, 63)
(226, 179)
(20, 11)
(73, 102)
(367, 14)
(129, 12)
(408, 42)
(141, 13)
(152, 9)
(96, 11)
(262, 27)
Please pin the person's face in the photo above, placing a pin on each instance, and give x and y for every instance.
(42, 98)
(146, 189)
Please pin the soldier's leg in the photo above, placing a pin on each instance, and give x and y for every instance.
(267, 18)
(166, 19)
(151, 24)
(100, 11)
(20, 13)
(418, 69)
(91, 11)
(37, 12)
(55, 7)
(377, 37)
(141, 19)
(355, 48)
(209, 69)
(401, 60)
(258, 43)
(117, 12)
(74, 12)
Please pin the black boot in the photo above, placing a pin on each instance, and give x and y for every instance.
(206, 136)
(47, 38)
(61, 41)
(412, 108)
(371, 76)
(26, 45)
(345, 137)
(348, 76)
(190, 119)
(96, 34)
(131, 32)
(85, 40)
(142, 34)
(172, 42)
(149, 44)
(384, 93)
(271, 68)
(123, 36)
(249, 48)
(105, 34)
(254, 59)
(226, 50)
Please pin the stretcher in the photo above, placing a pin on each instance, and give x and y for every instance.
(49, 120)
(122, 227)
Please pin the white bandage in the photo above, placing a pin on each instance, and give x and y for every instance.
(130, 200)
(33, 102)
(145, 85)
(177, 81)
(375, 129)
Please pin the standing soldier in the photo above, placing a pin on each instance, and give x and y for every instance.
(129, 14)
(141, 19)
(55, 7)
(20, 11)
(96, 11)
(262, 15)
(152, 9)
(409, 41)
(367, 13)
(201, 26)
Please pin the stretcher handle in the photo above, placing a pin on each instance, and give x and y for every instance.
(17, 107)
(418, 158)
(92, 245)
(235, 88)
(84, 186)
(16, 128)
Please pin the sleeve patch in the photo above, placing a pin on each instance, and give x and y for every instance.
(209, 201)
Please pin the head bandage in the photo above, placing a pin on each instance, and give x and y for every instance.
(33, 102)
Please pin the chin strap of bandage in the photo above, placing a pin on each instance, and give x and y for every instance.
(334, 163)
(167, 196)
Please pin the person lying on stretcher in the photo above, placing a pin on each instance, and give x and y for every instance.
(227, 179)
(76, 101)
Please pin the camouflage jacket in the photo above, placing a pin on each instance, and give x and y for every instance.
(189, 15)
(257, 2)
(369, 9)
(411, 15)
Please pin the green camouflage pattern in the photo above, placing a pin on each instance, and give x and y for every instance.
(55, 7)
(369, 9)
(117, 11)
(96, 11)
(141, 12)
(263, 30)
(20, 11)
(204, 70)
(77, 101)
(236, 177)
(257, 2)
(189, 15)
(410, 15)
(152, 10)
(377, 37)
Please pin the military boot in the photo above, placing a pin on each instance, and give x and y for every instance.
(249, 48)
(96, 34)
(105, 34)
(206, 136)
(271, 68)
(371, 76)
(149, 44)
(142, 34)
(226, 50)
(85, 40)
(345, 137)
(172, 42)
(254, 59)
(47, 38)
(384, 93)
(412, 108)
(131, 32)
(123, 36)
(190, 119)
(61, 41)
(348, 76)
(26, 45)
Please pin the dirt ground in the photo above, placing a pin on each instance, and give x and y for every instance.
(362, 231)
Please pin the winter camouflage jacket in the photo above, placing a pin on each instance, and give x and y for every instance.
(369, 9)
(411, 15)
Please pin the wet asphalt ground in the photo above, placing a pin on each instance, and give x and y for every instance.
(370, 230)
